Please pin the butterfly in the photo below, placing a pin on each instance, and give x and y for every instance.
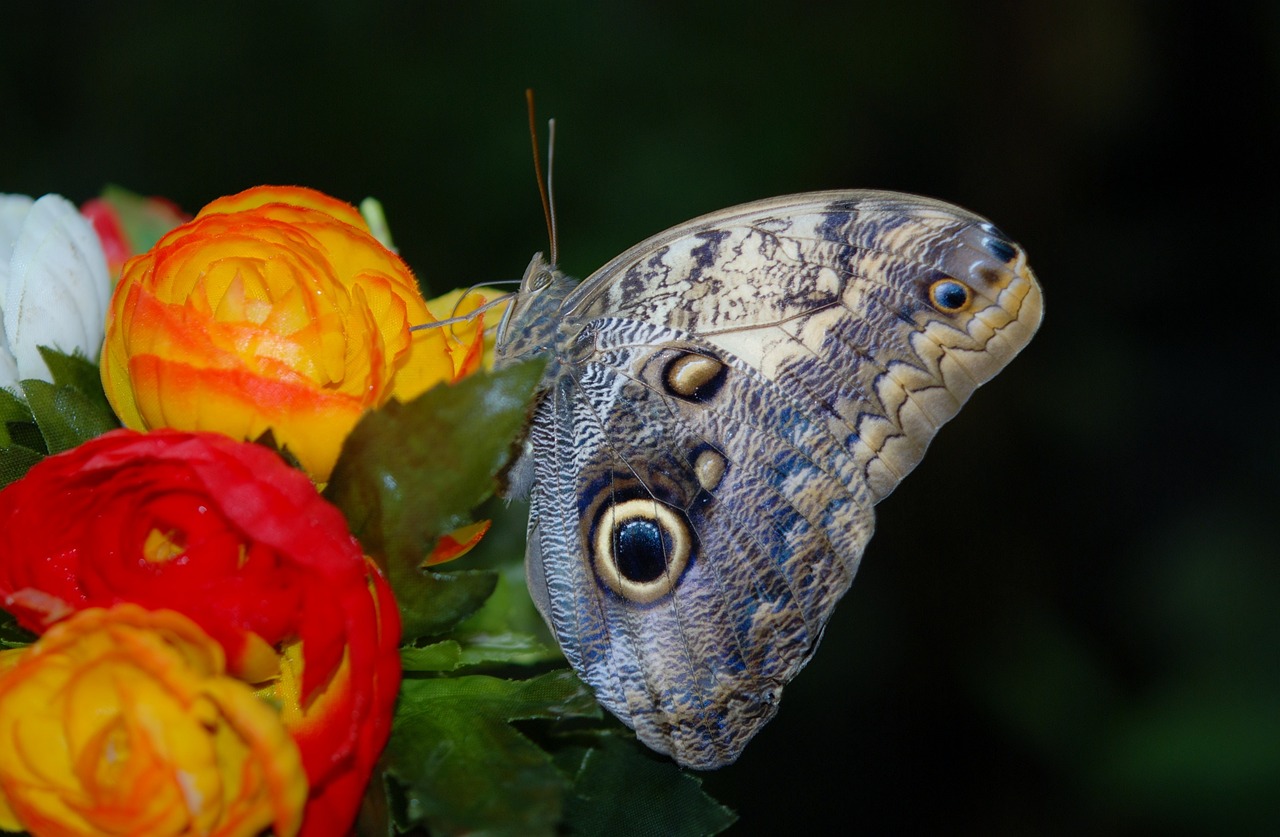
(722, 407)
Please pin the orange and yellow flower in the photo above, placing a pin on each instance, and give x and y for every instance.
(123, 721)
(274, 309)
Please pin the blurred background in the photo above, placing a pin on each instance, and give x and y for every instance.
(1067, 621)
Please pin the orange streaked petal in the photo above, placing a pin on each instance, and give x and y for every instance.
(457, 543)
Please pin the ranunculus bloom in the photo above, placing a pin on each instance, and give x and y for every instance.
(274, 309)
(54, 285)
(227, 534)
(122, 721)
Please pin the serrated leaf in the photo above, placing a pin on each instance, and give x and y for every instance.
(460, 767)
(411, 472)
(78, 372)
(622, 789)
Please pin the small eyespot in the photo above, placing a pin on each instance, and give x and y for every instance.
(950, 296)
(709, 466)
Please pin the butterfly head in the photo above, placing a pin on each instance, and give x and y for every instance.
(532, 321)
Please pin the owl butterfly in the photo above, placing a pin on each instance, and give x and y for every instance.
(723, 406)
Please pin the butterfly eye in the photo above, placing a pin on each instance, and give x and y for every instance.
(540, 280)
(950, 296)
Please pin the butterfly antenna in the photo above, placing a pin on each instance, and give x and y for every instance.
(551, 194)
(544, 186)
(471, 315)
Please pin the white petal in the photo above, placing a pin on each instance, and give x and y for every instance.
(13, 211)
(58, 286)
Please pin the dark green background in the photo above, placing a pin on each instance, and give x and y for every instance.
(1067, 621)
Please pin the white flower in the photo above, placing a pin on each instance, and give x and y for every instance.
(54, 285)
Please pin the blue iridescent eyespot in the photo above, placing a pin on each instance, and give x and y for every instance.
(950, 296)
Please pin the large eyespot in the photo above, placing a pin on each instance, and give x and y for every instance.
(950, 296)
(641, 548)
(694, 377)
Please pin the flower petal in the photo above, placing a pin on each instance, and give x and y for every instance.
(58, 286)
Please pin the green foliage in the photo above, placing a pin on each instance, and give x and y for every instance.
(622, 789)
(409, 473)
(460, 766)
(49, 418)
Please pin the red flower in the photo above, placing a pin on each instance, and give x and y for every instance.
(228, 535)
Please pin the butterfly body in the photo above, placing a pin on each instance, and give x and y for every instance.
(723, 406)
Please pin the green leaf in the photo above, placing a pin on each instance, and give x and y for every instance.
(620, 789)
(506, 648)
(508, 629)
(52, 417)
(411, 472)
(65, 415)
(436, 657)
(13, 408)
(13, 635)
(458, 766)
(430, 602)
(463, 649)
(78, 372)
(17, 425)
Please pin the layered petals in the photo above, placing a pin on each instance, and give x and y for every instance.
(123, 721)
(274, 309)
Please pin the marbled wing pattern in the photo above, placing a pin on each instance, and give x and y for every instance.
(722, 408)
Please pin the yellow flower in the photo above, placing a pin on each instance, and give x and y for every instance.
(274, 309)
(477, 334)
(122, 721)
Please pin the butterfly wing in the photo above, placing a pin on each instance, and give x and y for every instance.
(724, 405)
